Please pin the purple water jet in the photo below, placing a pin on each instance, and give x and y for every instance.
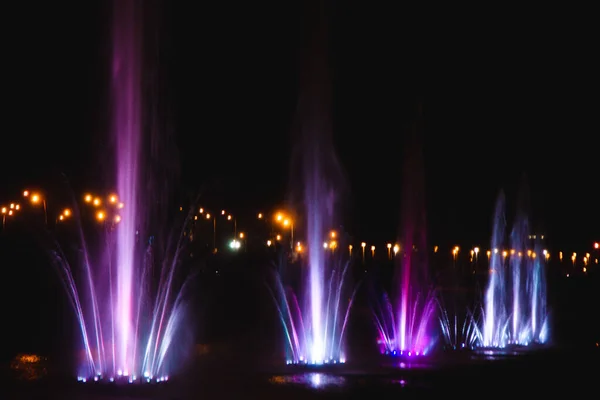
(403, 321)
(128, 299)
(127, 118)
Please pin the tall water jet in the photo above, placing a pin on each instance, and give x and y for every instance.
(515, 309)
(126, 291)
(404, 320)
(315, 322)
(127, 120)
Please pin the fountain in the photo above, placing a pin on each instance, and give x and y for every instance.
(515, 309)
(127, 291)
(314, 325)
(403, 321)
(315, 321)
(460, 332)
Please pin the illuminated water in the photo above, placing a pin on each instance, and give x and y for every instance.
(404, 325)
(124, 294)
(515, 309)
(404, 320)
(315, 324)
(460, 332)
(315, 318)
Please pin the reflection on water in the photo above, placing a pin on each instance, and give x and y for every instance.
(414, 365)
(489, 354)
(29, 367)
(314, 380)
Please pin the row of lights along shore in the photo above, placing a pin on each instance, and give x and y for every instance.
(107, 208)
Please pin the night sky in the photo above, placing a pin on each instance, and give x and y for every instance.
(505, 93)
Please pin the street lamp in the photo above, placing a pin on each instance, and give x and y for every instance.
(64, 215)
(4, 211)
(208, 216)
(455, 254)
(36, 199)
(363, 245)
(101, 216)
(287, 222)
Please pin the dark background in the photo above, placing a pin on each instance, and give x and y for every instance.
(505, 93)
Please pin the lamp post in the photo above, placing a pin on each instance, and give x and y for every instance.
(36, 199)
